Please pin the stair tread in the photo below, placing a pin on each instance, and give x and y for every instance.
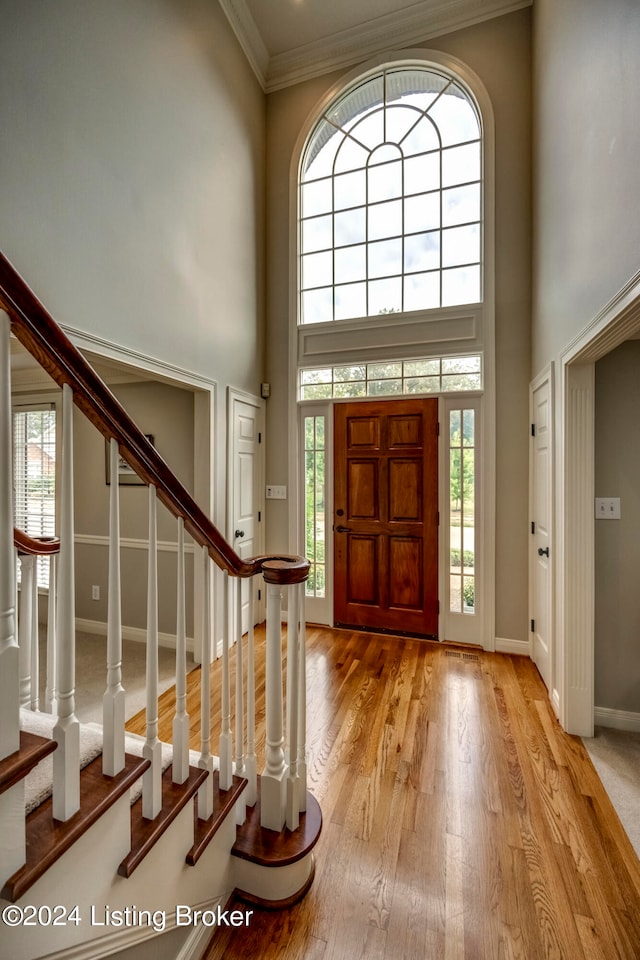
(205, 830)
(145, 833)
(47, 839)
(271, 849)
(17, 765)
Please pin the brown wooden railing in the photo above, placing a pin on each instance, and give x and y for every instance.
(36, 329)
(35, 546)
(282, 793)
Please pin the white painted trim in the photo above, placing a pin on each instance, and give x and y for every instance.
(168, 372)
(484, 318)
(547, 375)
(208, 485)
(124, 939)
(130, 543)
(617, 719)
(424, 20)
(518, 648)
(248, 36)
(614, 324)
(137, 634)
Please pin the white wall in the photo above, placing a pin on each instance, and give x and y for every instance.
(617, 542)
(586, 170)
(133, 177)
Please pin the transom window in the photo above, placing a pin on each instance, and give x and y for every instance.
(390, 199)
(391, 377)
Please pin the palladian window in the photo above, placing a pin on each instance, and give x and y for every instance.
(390, 209)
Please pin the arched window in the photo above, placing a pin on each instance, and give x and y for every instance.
(390, 199)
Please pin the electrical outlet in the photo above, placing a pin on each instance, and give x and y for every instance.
(607, 508)
(95, 592)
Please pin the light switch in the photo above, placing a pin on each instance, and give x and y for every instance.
(607, 508)
(276, 492)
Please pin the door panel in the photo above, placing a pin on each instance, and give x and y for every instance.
(542, 512)
(244, 483)
(386, 515)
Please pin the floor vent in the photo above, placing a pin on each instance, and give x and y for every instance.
(473, 657)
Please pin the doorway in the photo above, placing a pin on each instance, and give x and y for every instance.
(386, 515)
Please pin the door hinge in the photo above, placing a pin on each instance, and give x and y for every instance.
(438, 429)
(259, 515)
(259, 438)
(533, 526)
(438, 518)
(259, 594)
(533, 626)
(533, 429)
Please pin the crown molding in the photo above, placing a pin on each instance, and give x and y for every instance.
(421, 21)
(248, 36)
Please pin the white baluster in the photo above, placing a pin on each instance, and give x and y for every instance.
(113, 701)
(25, 633)
(9, 654)
(241, 811)
(180, 770)
(302, 705)
(66, 732)
(226, 769)
(251, 772)
(205, 793)
(293, 690)
(35, 640)
(12, 834)
(152, 749)
(51, 696)
(273, 775)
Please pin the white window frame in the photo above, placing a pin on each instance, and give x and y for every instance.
(33, 402)
(449, 331)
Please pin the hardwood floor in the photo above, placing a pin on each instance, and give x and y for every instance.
(459, 820)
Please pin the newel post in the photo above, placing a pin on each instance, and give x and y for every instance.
(9, 669)
(272, 811)
(12, 832)
(277, 572)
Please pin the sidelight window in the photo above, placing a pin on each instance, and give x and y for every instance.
(462, 513)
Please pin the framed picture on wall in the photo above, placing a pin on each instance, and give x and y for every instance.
(127, 476)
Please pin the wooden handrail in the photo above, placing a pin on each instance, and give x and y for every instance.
(36, 329)
(35, 546)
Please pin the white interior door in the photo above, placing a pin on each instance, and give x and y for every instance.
(541, 588)
(245, 492)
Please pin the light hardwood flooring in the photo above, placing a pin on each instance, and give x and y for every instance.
(459, 820)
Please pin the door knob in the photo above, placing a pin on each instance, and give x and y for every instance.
(341, 529)
(239, 533)
(543, 551)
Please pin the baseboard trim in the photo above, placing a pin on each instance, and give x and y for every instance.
(138, 634)
(118, 941)
(519, 648)
(618, 719)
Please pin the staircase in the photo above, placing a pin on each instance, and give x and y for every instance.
(90, 871)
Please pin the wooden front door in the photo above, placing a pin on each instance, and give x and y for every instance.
(386, 515)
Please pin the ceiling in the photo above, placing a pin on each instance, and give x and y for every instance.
(287, 41)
